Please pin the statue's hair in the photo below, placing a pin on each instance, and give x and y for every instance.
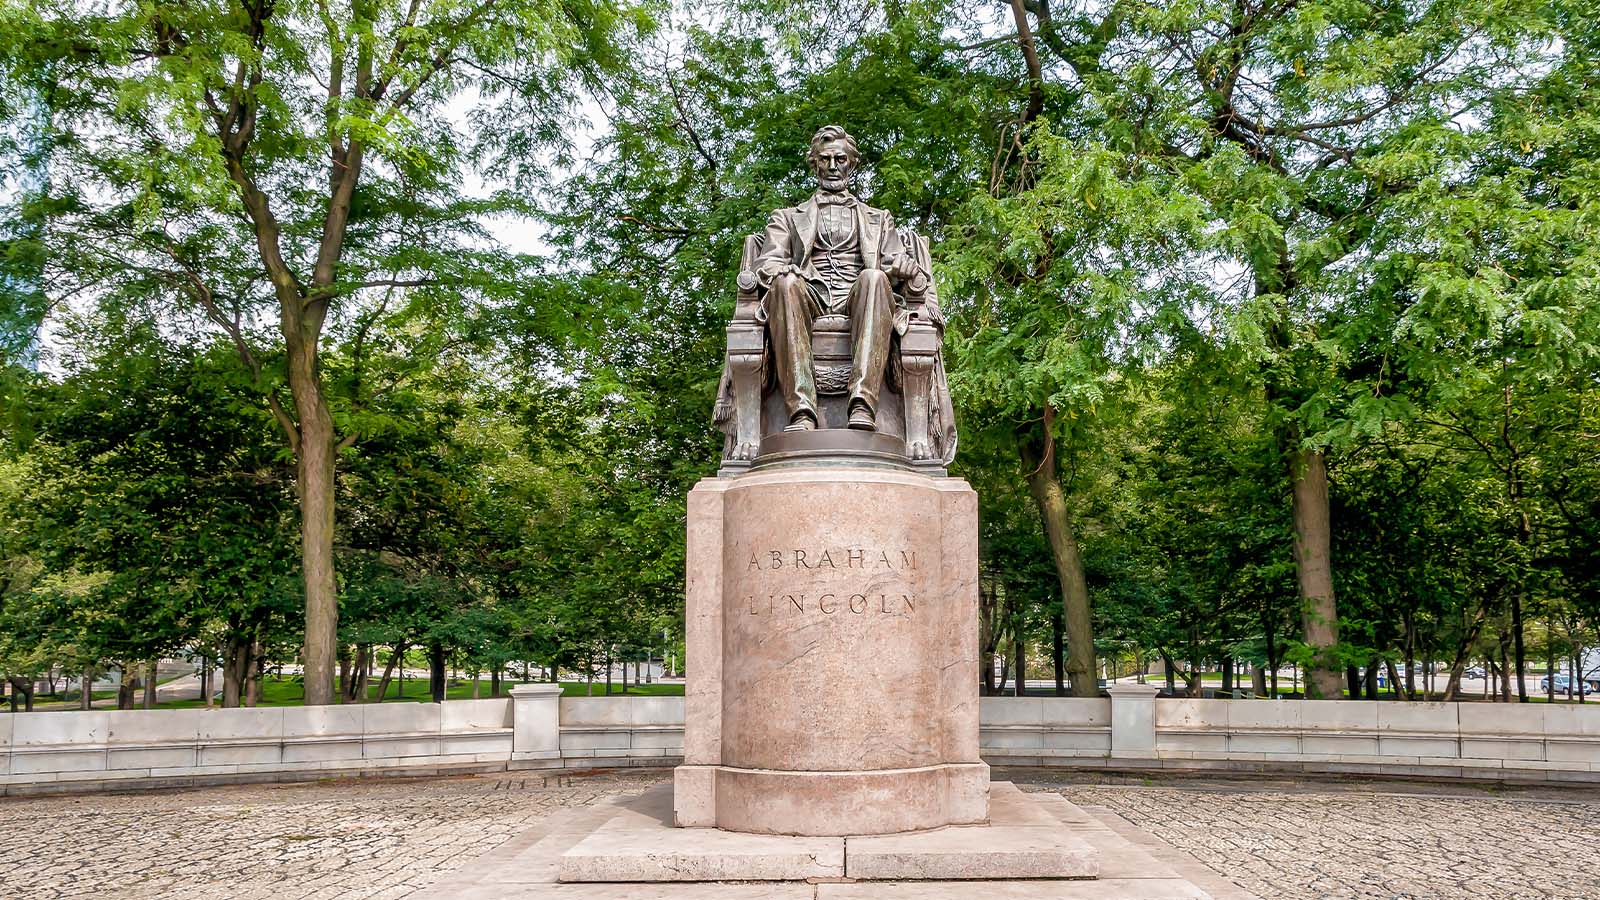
(831, 133)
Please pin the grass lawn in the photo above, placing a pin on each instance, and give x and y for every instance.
(581, 689)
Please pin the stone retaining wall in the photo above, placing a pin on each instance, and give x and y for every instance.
(537, 729)
(1134, 730)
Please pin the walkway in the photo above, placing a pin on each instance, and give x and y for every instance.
(386, 838)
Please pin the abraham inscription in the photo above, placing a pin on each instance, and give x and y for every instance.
(798, 583)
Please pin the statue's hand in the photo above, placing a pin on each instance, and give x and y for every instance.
(905, 268)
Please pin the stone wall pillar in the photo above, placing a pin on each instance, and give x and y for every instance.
(1133, 720)
(536, 726)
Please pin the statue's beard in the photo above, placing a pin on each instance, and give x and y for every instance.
(833, 185)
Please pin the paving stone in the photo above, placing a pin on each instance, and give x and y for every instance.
(391, 839)
(1364, 841)
(348, 839)
(1102, 889)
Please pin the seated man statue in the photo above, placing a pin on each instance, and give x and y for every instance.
(833, 255)
(835, 301)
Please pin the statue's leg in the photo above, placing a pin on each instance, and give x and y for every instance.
(791, 308)
(871, 325)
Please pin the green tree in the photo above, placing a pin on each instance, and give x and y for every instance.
(289, 163)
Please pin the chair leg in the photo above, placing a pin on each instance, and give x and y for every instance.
(746, 349)
(919, 350)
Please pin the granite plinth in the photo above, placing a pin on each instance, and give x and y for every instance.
(831, 624)
(639, 844)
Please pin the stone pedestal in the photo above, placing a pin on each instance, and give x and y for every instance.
(832, 654)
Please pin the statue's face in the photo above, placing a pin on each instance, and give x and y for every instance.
(834, 166)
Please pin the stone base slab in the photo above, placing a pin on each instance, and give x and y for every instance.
(639, 844)
(762, 801)
(1022, 840)
(1134, 865)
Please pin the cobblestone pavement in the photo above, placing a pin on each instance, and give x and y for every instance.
(377, 839)
(384, 838)
(1287, 841)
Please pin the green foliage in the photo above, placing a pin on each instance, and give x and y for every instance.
(1198, 238)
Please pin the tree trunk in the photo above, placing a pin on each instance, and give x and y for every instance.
(1258, 681)
(1370, 687)
(345, 681)
(494, 681)
(396, 654)
(1505, 667)
(235, 670)
(150, 686)
(363, 672)
(1411, 655)
(1313, 552)
(86, 690)
(22, 688)
(130, 681)
(1057, 650)
(314, 476)
(1549, 669)
(256, 674)
(1352, 679)
(1227, 675)
(1519, 647)
(1463, 647)
(1045, 485)
(1575, 676)
(1394, 682)
(315, 480)
(1021, 684)
(436, 674)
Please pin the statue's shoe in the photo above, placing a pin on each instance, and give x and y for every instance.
(801, 423)
(862, 419)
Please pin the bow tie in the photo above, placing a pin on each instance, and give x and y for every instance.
(826, 199)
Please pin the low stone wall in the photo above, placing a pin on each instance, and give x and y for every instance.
(61, 748)
(610, 731)
(538, 729)
(1134, 730)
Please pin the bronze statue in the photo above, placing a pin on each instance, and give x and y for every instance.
(827, 294)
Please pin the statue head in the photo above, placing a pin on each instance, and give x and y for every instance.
(833, 158)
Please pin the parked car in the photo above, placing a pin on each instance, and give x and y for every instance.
(1473, 672)
(1563, 684)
